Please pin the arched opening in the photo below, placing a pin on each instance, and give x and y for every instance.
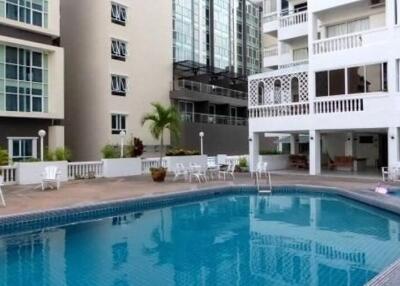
(294, 86)
(260, 94)
(277, 91)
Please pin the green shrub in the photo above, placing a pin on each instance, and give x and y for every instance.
(270, 152)
(243, 162)
(182, 152)
(3, 157)
(59, 154)
(110, 152)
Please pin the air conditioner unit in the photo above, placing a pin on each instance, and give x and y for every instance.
(376, 3)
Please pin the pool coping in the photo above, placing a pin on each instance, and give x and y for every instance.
(30, 221)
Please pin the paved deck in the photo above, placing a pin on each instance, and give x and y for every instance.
(23, 199)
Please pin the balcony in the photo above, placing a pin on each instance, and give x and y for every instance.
(205, 118)
(293, 25)
(371, 39)
(271, 56)
(270, 22)
(329, 4)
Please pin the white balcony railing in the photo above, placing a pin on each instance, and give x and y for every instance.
(9, 174)
(82, 170)
(270, 52)
(293, 19)
(339, 105)
(339, 43)
(270, 17)
(280, 110)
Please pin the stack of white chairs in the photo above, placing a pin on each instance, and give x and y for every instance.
(180, 171)
(3, 202)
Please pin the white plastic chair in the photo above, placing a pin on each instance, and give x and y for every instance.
(180, 171)
(197, 172)
(390, 174)
(262, 169)
(50, 177)
(3, 202)
(230, 170)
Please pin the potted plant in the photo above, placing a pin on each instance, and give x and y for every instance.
(162, 118)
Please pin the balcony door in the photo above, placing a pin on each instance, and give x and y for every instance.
(186, 108)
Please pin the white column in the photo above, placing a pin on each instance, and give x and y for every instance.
(254, 150)
(393, 146)
(315, 152)
(294, 144)
(349, 146)
(390, 13)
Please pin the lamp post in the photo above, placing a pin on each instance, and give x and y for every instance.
(42, 134)
(201, 134)
(122, 135)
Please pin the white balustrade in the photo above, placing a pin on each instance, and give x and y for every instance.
(339, 43)
(9, 174)
(149, 163)
(80, 170)
(293, 19)
(338, 105)
(279, 110)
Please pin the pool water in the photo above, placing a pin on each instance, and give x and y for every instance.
(290, 239)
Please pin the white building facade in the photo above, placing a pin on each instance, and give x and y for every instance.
(31, 77)
(331, 72)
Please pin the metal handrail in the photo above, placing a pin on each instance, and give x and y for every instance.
(213, 119)
(209, 89)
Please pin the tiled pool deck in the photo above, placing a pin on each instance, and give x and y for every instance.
(141, 192)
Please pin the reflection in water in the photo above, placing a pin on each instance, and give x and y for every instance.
(237, 240)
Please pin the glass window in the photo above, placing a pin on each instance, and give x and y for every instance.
(277, 91)
(118, 14)
(337, 82)
(261, 93)
(118, 123)
(22, 149)
(24, 81)
(355, 80)
(375, 78)
(294, 85)
(118, 85)
(321, 83)
(118, 50)
(30, 12)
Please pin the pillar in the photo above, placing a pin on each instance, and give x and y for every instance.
(56, 137)
(294, 144)
(393, 146)
(349, 146)
(315, 152)
(254, 150)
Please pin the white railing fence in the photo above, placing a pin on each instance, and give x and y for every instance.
(339, 43)
(339, 105)
(152, 163)
(293, 19)
(9, 174)
(270, 17)
(85, 170)
(278, 110)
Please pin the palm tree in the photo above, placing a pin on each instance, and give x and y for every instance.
(163, 118)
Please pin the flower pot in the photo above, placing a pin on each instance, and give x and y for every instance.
(158, 174)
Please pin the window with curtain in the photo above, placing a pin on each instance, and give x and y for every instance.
(348, 27)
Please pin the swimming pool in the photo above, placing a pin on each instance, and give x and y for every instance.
(235, 239)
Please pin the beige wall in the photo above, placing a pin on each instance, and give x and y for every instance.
(86, 36)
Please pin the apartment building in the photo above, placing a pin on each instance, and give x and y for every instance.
(215, 45)
(331, 75)
(31, 77)
(118, 61)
